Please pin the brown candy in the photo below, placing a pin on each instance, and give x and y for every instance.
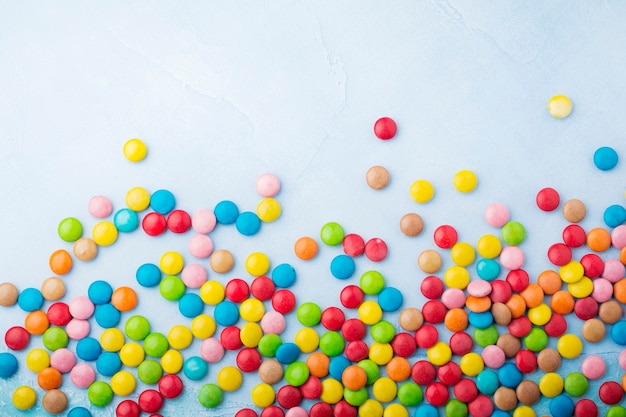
(54, 401)
(528, 392)
(8, 294)
(574, 210)
(271, 371)
(377, 177)
(501, 314)
(85, 249)
(505, 398)
(429, 261)
(53, 289)
(221, 261)
(410, 319)
(509, 344)
(610, 312)
(593, 330)
(548, 360)
(411, 224)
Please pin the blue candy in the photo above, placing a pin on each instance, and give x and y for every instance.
(126, 220)
(190, 305)
(8, 365)
(509, 375)
(614, 215)
(226, 313)
(488, 269)
(79, 412)
(226, 212)
(390, 299)
(248, 223)
(605, 158)
(107, 316)
(162, 201)
(342, 266)
(148, 275)
(487, 382)
(108, 363)
(480, 320)
(195, 368)
(284, 276)
(426, 410)
(30, 299)
(618, 332)
(100, 292)
(561, 406)
(287, 353)
(337, 366)
(88, 349)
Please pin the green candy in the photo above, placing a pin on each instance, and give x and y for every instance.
(332, 234)
(616, 411)
(410, 394)
(172, 288)
(70, 229)
(296, 373)
(513, 233)
(355, 398)
(137, 327)
(575, 384)
(487, 336)
(149, 371)
(309, 314)
(55, 338)
(210, 396)
(268, 345)
(383, 331)
(100, 394)
(372, 282)
(456, 408)
(155, 345)
(371, 370)
(332, 343)
(536, 340)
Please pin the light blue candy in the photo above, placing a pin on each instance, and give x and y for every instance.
(342, 266)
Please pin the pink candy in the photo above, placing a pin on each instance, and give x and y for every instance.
(602, 290)
(63, 360)
(453, 298)
(618, 236)
(100, 206)
(593, 367)
(497, 214)
(211, 350)
(622, 359)
(267, 185)
(200, 246)
(81, 307)
(273, 322)
(613, 270)
(296, 412)
(493, 356)
(203, 221)
(512, 258)
(77, 329)
(194, 275)
(479, 288)
(83, 375)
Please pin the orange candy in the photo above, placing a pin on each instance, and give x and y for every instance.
(60, 262)
(598, 239)
(619, 290)
(562, 302)
(354, 377)
(549, 281)
(36, 322)
(532, 295)
(516, 305)
(305, 248)
(124, 298)
(49, 378)
(478, 304)
(318, 363)
(398, 369)
(456, 320)
(622, 256)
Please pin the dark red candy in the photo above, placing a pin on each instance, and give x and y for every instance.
(321, 409)
(481, 406)
(178, 221)
(574, 236)
(585, 408)
(353, 329)
(170, 386)
(231, 338)
(262, 288)
(312, 388)
(333, 318)
(357, 351)
(526, 361)
(465, 390)
(246, 412)
(248, 359)
(559, 254)
(385, 128)
(59, 314)
(437, 394)
(272, 411)
(423, 372)
(500, 291)
(432, 287)
(434, 311)
(450, 373)
(548, 199)
(520, 326)
(556, 326)
(150, 401)
(461, 343)
(611, 392)
(127, 408)
(376, 249)
(403, 344)
(592, 264)
(288, 396)
(237, 290)
(17, 338)
(586, 308)
(426, 336)
(518, 279)
(344, 409)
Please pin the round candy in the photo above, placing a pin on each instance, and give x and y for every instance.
(513, 233)
(170, 386)
(593, 367)
(150, 401)
(305, 248)
(108, 363)
(411, 224)
(605, 158)
(248, 223)
(267, 185)
(24, 397)
(149, 371)
(135, 150)
(569, 346)
(548, 199)
(178, 221)
(611, 392)
(30, 299)
(385, 128)
(268, 210)
(126, 221)
(82, 375)
(54, 401)
(560, 106)
(257, 263)
(8, 294)
(70, 229)
(9, 364)
(377, 177)
(551, 384)
(18, 338)
(376, 250)
(100, 394)
(390, 299)
(593, 330)
(100, 206)
(210, 396)
(195, 368)
(465, 181)
(63, 360)
(422, 191)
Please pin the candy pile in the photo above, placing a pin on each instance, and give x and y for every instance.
(479, 346)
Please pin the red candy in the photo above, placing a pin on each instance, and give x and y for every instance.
(231, 338)
(59, 314)
(432, 287)
(556, 326)
(170, 386)
(403, 345)
(353, 329)
(574, 236)
(333, 318)
(357, 351)
(518, 279)
(283, 301)
(127, 408)
(520, 327)
(343, 409)
(465, 390)
(437, 394)
(246, 412)
(385, 128)
(248, 359)
(351, 296)
(426, 336)
(500, 291)
(611, 392)
(592, 264)
(585, 408)
(423, 372)
(17, 338)
(272, 411)
(586, 308)
(559, 254)
(434, 311)
(445, 236)
(548, 199)
(461, 343)
(154, 223)
(312, 388)
(321, 409)
(376, 250)
(481, 406)
(288, 396)
(450, 373)
(236, 290)
(178, 221)
(150, 401)
(526, 361)
(353, 245)
(262, 288)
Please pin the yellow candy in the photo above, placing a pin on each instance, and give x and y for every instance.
(439, 354)
(380, 353)
(370, 312)
(104, 233)
(471, 364)
(384, 389)
(179, 337)
(263, 395)
(569, 346)
(203, 326)
(462, 254)
(307, 339)
(465, 181)
(112, 340)
(171, 263)
(524, 411)
(135, 150)
(581, 288)
(551, 384)
(137, 199)
(489, 246)
(252, 310)
(371, 408)
(332, 391)
(229, 378)
(422, 191)
(571, 272)
(257, 264)
(212, 292)
(250, 334)
(540, 315)
(172, 361)
(132, 354)
(560, 106)
(456, 277)
(123, 383)
(268, 210)
(37, 359)
(396, 410)
(24, 397)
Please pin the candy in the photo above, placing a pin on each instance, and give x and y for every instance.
(54, 401)
(385, 128)
(24, 397)
(70, 229)
(306, 248)
(411, 224)
(377, 177)
(126, 221)
(593, 367)
(605, 158)
(421, 191)
(85, 249)
(210, 396)
(268, 210)
(465, 181)
(560, 106)
(100, 394)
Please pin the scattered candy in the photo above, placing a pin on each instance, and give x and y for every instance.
(560, 106)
